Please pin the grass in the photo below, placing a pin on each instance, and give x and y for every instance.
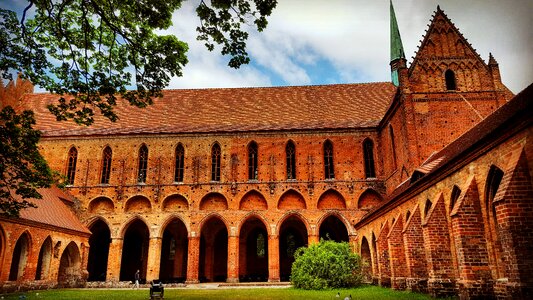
(361, 293)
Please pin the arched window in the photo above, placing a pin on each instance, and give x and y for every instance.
(456, 192)
(290, 152)
(143, 164)
(329, 172)
(215, 162)
(449, 77)
(393, 146)
(252, 161)
(178, 168)
(106, 165)
(368, 153)
(494, 180)
(71, 165)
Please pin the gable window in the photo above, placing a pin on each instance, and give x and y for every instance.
(427, 207)
(215, 163)
(178, 169)
(71, 165)
(290, 152)
(449, 77)
(143, 164)
(456, 192)
(106, 165)
(252, 161)
(368, 153)
(329, 172)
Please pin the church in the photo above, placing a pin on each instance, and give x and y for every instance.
(427, 177)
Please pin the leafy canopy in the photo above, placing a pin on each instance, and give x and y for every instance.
(327, 264)
(91, 53)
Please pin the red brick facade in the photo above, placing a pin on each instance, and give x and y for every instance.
(224, 184)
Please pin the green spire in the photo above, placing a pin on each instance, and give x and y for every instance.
(396, 47)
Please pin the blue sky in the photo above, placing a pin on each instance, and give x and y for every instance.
(312, 42)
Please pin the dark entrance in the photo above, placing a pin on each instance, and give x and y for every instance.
(293, 235)
(43, 263)
(98, 251)
(214, 251)
(332, 228)
(253, 251)
(20, 257)
(134, 251)
(174, 248)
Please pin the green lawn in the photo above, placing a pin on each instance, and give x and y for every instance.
(366, 292)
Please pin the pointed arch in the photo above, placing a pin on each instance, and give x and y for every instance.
(393, 147)
(213, 257)
(175, 202)
(252, 160)
(456, 192)
(214, 201)
(135, 249)
(71, 165)
(179, 163)
(293, 234)
(107, 157)
(329, 170)
(494, 179)
(101, 205)
(174, 251)
(69, 273)
(291, 199)
(368, 199)
(215, 162)
(99, 243)
(331, 199)
(332, 227)
(142, 166)
(290, 157)
(43, 262)
(253, 200)
(19, 259)
(138, 204)
(253, 249)
(366, 255)
(368, 153)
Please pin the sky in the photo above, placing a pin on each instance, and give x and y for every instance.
(310, 42)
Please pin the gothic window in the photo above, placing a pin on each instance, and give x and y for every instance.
(494, 180)
(393, 146)
(252, 161)
(106, 165)
(329, 172)
(456, 192)
(449, 77)
(71, 165)
(261, 246)
(215, 162)
(143, 164)
(178, 168)
(290, 152)
(368, 152)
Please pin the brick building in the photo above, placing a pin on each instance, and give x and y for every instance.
(428, 177)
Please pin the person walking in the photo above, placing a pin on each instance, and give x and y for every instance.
(137, 277)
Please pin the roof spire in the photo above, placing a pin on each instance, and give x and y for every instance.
(396, 47)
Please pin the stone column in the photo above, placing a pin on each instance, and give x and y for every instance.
(233, 259)
(273, 258)
(193, 259)
(154, 259)
(114, 259)
(313, 239)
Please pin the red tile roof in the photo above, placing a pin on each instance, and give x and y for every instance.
(51, 210)
(339, 106)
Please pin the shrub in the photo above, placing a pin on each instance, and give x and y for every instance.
(326, 265)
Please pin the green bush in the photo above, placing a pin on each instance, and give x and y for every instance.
(326, 265)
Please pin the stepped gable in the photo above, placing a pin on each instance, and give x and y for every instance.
(339, 106)
(443, 41)
(52, 211)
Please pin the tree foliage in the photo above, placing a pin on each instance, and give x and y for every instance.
(22, 168)
(327, 264)
(93, 53)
